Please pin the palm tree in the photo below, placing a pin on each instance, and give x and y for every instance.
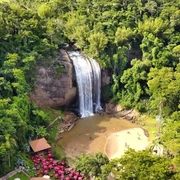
(41, 131)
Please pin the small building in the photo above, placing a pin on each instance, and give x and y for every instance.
(39, 145)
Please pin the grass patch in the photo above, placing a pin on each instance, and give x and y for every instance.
(53, 129)
(150, 124)
(22, 176)
(53, 113)
(58, 152)
(71, 161)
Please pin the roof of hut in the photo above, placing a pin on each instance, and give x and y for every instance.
(39, 145)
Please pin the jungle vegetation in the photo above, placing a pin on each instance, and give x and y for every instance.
(138, 41)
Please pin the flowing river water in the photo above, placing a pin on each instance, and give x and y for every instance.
(90, 135)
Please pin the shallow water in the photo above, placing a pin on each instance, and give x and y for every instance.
(89, 135)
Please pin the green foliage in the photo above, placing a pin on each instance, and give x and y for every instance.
(134, 80)
(176, 51)
(91, 165)
(44, 10)
(59, 69)
(97, 41)
(19, 175)
(155, 26)
(107, 92)
(123, 35)
(171, 139)
(58, 152)
(76, 29)
(133, 164)
(41, 132)
(137, 41)
(140, 165)
(40, 118)
(164, 87)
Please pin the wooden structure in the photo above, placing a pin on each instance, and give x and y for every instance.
(39, 145)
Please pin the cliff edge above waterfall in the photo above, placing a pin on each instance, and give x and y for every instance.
(54, 83)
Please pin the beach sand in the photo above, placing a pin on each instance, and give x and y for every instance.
(117, 143)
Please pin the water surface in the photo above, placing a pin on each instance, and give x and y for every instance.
(90, 134)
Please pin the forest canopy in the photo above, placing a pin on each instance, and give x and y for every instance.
(137, 41)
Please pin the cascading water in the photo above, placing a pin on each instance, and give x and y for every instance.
(96, 85)
(88, 77)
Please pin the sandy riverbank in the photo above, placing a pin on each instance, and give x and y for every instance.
(102, 134)
(117, 143)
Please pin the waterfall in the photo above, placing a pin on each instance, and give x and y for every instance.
(88, 76)
(96, 85)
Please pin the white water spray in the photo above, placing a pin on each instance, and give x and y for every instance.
(88, 76)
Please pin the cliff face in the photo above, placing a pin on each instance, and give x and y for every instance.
(54, 85)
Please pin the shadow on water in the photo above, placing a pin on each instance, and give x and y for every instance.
(89, 135)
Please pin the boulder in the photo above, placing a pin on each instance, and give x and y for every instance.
(54, 83)
(70, 117)
(118, 111)
(111, 108)
(105, 77)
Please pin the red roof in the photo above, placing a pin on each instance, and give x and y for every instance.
(39, 145)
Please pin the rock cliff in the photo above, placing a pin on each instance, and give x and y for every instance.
(55, 83)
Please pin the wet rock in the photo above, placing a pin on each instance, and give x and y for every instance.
(119, 112)
(70, 117)
(111, 108)
(69, 121)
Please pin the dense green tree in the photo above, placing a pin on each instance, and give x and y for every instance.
(91, 165)
(164, 89)
(41, 131)
(76, 28)
(123, 35)
(140, 165)
(176, 51)
(171, 141)
(97, 42)
(151, 7)
(134, 80)
(44, 10)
